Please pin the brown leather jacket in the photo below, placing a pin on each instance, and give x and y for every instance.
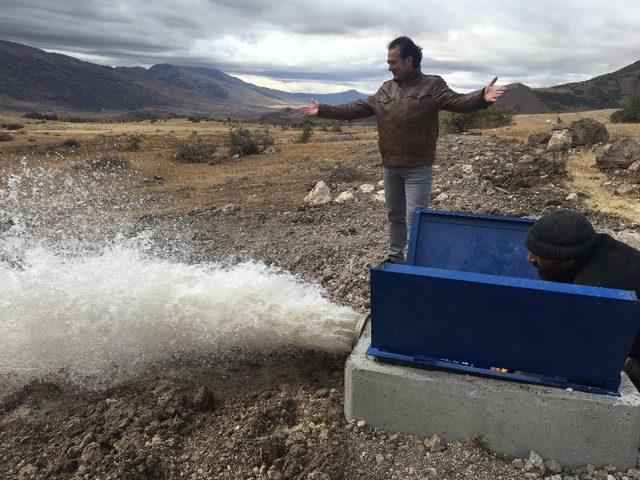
(407, 116)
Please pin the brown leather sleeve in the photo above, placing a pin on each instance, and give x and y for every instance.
(447, 99)
(348, 111)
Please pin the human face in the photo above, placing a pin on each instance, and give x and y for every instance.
(552, 270)
(397, 66)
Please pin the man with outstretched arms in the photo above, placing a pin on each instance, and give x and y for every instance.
(406, 110)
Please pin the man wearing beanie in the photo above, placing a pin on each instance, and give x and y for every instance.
(564, 247)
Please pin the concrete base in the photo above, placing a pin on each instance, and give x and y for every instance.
(574, 428)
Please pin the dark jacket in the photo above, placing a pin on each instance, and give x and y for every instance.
(611, 264)
(407, 116)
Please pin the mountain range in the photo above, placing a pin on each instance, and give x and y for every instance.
(32, 79)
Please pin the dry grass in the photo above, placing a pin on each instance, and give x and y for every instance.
(524, 125)
(277, 179)
(281, 179)
(585, 176)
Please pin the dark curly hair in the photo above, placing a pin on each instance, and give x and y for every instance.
(407, 47)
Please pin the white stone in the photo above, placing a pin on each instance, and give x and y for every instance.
(632, 239)
(535, 463)
(367, 188)
(380, 184)
(572, 197)
(467, 168)
(379, 196)
(345, 196)
(624, 189)
(442, 197)
(560, 140)
(319, 195)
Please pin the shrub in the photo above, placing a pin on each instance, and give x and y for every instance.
(5, 137)
(195, 151)
(243, 142)
(455, 122)
(493, 117)
(71, 143)
(12, 126)
(306, 133)
(40, 116)
(335, 127)
(132, 144)
(630, 113)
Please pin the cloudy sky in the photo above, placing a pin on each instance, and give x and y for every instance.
(329, 46)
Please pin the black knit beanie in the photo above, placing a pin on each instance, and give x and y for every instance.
(561, 235)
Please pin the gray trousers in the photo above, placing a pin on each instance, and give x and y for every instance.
(406, 189)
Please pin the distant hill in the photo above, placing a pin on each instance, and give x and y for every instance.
(611, 90)
(32, 79)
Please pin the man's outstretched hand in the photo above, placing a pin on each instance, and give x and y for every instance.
(491, 92)
(310, 110)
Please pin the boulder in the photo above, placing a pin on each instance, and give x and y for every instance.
(620, 154)
(539, 139)
(560, 141)
(319, 195)
(345, 196)
(379, 196)
(588, 131)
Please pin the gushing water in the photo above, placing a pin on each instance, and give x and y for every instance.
(98, 304)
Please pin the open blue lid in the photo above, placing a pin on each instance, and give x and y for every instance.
(470, 243)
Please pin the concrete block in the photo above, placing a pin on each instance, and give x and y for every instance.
(574, 428)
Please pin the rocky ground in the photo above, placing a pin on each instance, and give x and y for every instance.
(280, 416)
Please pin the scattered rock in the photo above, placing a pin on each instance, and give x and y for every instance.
(443, 197)
(203, 399)
(431, 471)
(379, 196)
(539, 139)
(434, 443)
(380, 184)
(367, 188)
(560, 141)
(335, 138)
(319, 195)
(229, 208)
(624, 189)
(467, 168)
(344, 197)
(553, 466)
(108, 163)
(619, 154)
(630, 238)
(572, 197)
(518, 463)
(588, 131)
(535, 464)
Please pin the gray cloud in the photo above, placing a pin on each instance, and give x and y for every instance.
(338, 42)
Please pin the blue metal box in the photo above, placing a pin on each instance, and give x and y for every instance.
(468, 300)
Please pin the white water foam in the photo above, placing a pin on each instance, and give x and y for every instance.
(106, 314)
